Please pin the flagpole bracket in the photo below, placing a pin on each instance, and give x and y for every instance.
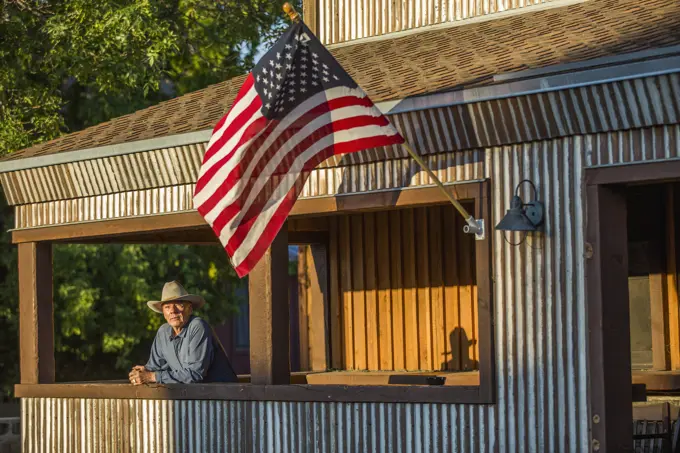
(475, 227)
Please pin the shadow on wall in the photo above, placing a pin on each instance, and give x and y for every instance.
(463, 345)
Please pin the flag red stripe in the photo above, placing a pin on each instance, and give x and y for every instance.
(237, 124)
(252, 215)
(255, 128)
(221, 190)
(247, 85)
(275, 224)
(284, 166)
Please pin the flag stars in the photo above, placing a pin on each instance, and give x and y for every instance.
(271, 63)
(279, 76)
(314, 55)
(314, 83)
(289, 56)
(278, 66)
(264, 71)
(304, 51)
(288, 46)
(326, 79)
(289, 66)
(325, 66)
(336, 77)
(291, 98)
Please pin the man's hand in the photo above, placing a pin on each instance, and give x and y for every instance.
(140, 375)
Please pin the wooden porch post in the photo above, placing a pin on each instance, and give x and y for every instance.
(609, 319)
(36, 313)
(269, 316)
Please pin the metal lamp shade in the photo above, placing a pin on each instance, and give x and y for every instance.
(515, 219)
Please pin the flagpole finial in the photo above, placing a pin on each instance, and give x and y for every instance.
(290, 10)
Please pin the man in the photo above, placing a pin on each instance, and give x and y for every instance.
(185, 350)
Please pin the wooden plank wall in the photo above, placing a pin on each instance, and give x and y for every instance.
(402, 291)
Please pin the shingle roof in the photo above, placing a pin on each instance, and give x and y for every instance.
(424, 62)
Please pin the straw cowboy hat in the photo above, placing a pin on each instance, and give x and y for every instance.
(173, 291)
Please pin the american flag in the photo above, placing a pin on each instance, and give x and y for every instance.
(296, 108)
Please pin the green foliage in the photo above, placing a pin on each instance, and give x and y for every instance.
(102, 322)
(69, 64)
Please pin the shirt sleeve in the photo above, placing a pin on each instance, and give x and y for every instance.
(196, 360)
(156, 359)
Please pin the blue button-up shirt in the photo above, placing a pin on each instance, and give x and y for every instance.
(189, 356)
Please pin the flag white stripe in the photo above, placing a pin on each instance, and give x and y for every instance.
(286, 184)
(281, 153)
(216, 180)
(235, 160)
(202, 196)
(234, 112)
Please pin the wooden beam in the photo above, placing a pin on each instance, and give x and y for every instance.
(269, 315)
(443, 394)
(663, 170)
(36, 317)
(106, 229)
(608, 318)
(122, 230)
(483, 274)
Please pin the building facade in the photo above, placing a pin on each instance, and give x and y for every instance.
(532, 340)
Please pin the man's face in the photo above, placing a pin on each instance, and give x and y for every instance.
(177, 313)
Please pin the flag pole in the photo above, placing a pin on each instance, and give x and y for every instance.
(474, 226)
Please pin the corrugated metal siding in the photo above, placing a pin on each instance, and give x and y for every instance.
(634, 146)
(540, 318)
(98, 426)
(418, 312)
(138, 171)
(396, 173)
(632, 104)
(138, 203)
(346, 20)
(540, 346)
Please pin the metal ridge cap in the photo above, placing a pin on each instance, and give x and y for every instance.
(610, 60)
(525, 87)
(99, 152)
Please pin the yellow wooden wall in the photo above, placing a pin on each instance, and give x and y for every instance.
(402, 291)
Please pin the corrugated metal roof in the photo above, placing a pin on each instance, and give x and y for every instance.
(425, 62)
(628, 104)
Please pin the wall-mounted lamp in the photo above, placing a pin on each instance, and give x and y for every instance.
(522, 216)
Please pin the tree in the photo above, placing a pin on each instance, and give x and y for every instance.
(70, 64)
